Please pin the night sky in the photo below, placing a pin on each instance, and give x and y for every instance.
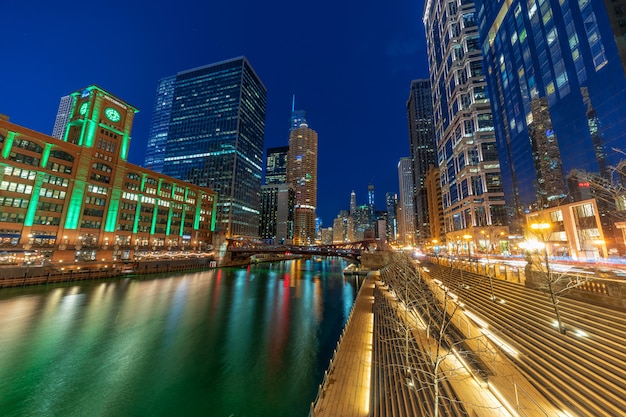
(350, 64)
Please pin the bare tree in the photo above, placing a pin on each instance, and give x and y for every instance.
(420, 325)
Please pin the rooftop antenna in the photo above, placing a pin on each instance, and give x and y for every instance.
(293, 103)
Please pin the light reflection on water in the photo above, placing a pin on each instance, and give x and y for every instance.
(229, 342)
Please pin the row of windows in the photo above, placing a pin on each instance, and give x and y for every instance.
(97, 189)
(64, 169)
(93, 212)
(24, 159)
(102, 167)
(12, 217)
(16, 187)
(14, 202)
(54, 180)
(96, 201)
(105, 145)
(28, 145)
(104, 157)
(49, 193)
(47, 220)
(29, 160)
(62, 155)
(45, 206)
(20, 172)
(131, 186)
(107, 133)
(128, 206)
(90, 224)
(100, 178)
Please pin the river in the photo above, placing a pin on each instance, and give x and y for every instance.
(231, 342)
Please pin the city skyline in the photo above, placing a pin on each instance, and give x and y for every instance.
(326, 70)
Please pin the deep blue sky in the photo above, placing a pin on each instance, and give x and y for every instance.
(350, 64)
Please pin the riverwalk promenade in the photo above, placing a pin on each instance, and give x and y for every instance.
(345, 391)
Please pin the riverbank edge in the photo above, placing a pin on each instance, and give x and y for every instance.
(21, 276)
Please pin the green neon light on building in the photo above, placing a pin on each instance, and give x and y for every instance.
(125, 146)
(196, 222)
(45, 155)
(90, 138)
(137, 211)
(154, 216)
(114, 208)
(143, 182)
(8, 143)
(182, 220)
(76, 204)
(214, 215)
(34, 200)
(169, 220)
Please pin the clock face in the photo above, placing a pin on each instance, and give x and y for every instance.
(83, 109)
(112, 114)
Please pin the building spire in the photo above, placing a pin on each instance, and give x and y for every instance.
(298, 117)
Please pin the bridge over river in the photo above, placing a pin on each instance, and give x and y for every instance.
(368, 253)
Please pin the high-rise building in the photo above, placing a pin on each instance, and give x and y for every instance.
(215, 137)
(63, 115)
(161, 117)
(78, 198)
(352, 202)
(327, 235)
(391, 200)
(371, 202)
(302, 173)
(435, 206)
(339, 227)
(558, 94)
(276, 165)
(405, 213)
(422, 144)
(363, 224)
(277, 213)
(467, 156)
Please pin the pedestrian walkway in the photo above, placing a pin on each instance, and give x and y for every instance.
(346, 390)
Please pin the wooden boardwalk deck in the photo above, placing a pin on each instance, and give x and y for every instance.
(346, 392)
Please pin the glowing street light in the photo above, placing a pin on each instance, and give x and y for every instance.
(540, 226)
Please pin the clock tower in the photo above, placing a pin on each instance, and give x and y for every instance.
(102, 122)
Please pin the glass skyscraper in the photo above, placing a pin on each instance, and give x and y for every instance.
(157, 139)
(419, 108)
(471, 185)
(276, 165)
(215, 137)
(558, 95)
(405, 212)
